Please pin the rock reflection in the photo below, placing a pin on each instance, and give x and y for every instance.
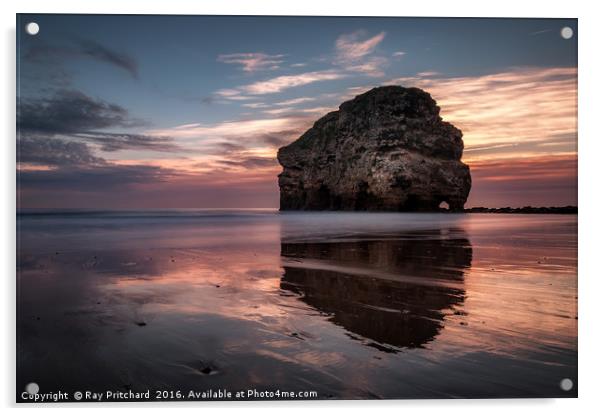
(393, 292)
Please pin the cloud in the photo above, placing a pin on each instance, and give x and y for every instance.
(70, 111)
(284, 82)
(255, 105)
(524, 107)
(231, 94)
(104, 54)
(525, 168)
(73, 114)
(277, 84)
(273, 140)
(254, 162)
(295, 101)
(353, 50)
(50, 165)
(372, 67)
(111, 142)
(57, 140)
(556, 143)
(278, 139)
(427, 74)
(238, 131)
(318, 110)
(351, 53)
(251, 137)
(277, 111)
(55, 152)
(292, 110)
(398, 54)
(354, 46)
(251, 62)
(83, 48)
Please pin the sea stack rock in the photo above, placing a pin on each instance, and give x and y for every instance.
(385, 150)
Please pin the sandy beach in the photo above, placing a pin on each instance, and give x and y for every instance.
(346, 305)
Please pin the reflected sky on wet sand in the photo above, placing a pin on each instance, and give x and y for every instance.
(350, 305)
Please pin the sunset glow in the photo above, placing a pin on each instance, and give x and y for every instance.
(208, 137)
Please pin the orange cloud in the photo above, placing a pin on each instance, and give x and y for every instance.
(516, 111)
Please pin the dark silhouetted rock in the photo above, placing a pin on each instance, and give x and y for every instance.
(386, 150)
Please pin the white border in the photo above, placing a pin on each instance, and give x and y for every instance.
(590, 151)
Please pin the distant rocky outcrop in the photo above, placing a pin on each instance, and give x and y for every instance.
(568, 209)
(385, 150)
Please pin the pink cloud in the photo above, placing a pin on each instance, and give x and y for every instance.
(284, 82)
(353, 50)
(278, 84)
(352, 47)
(520, 110)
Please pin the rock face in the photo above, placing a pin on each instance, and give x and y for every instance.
(386, 150)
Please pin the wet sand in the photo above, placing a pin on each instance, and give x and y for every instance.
(349, 305)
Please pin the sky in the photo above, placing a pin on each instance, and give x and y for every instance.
(133, 112)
